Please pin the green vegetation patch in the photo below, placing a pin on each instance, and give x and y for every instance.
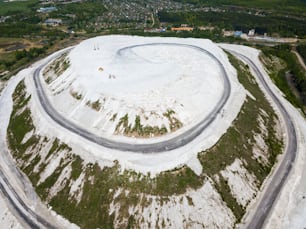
(139, 130)
(57, 146)
(56, 68)
(97, 105)
(174, 122)
(77, 167)
(12, 61)
(289, 78)
(76, 95)
(100, 186)
(20, 121)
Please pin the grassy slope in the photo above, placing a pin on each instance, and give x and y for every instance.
(239, 139)
(92, 210)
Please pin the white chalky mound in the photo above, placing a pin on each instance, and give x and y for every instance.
(139, 76)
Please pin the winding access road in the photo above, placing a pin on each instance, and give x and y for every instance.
(166, 145)
(30, 217)
(265, 205)
(23, 205)
(274, 188)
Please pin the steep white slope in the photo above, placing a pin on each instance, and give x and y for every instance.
(241, 182)
(202, 208)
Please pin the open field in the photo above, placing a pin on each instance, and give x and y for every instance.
(8, 45)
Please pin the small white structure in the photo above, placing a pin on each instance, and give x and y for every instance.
(251, 33)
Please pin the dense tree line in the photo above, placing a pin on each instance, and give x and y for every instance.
(19, 29)
(292, 5)
(239, 21)
(31, 54)
(23, 56)
(22, 29)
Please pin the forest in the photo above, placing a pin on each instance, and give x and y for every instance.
(270, 24)
(291, 5)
